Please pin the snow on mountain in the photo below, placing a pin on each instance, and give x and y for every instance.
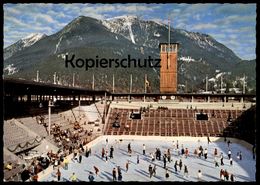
(187, 59)
(31, 39)
(121, 24)
(22, 44)
(10, 69)
(220, 74)
(157, 34)
(57, 45)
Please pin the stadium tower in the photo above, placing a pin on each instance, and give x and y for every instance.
(168, 71)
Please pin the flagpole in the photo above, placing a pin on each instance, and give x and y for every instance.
(93, 82)
(113, 84)
(73, 80)
(131, 81)
(145, 79)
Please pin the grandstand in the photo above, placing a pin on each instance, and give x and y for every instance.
(84, 120)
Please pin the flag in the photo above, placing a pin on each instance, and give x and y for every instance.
(147, 83)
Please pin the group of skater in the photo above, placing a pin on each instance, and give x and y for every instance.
(165, 157)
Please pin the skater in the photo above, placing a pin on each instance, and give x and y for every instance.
(199, 153)
(58, 174)
(221, 159)
(232, 178)
(229, 154)
(185, 171)
(195, 152)
(103, 153)
(228, 143)
(119, 173)
(143, 149)
(106, 141)
(231, 161)
(129, 147)
(167, 175)
(182, 151)
(164, 161)
(152, 156)
(150, 169)
(215, 152)
(226, 175)
(175, 166)
(253, 151)
(159, 154)
(208, 140)
(91, 177)
(73, 177)
(87, 152)
(240, 155)
(80, 157)
(75, 153)
(96, 170)
(180, 164)
(222, 178)
(205, 153)
(106, 157)
(154, 170)
(216, 162)
(111, 152)
(66, 163)
(169, 155)
(127, 166)
(177, 145)
(137, 159)
(114, 174)
(186, 152)
(199, 175)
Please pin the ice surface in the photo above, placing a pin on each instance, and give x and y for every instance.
(243, 170)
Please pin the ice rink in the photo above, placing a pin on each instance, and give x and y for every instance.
(243, 170)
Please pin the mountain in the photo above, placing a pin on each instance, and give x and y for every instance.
(22, 43)
(88, 38)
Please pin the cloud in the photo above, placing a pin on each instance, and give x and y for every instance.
(235, 8)
(47, 18)
(203, 26)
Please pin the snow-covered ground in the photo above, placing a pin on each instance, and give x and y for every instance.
(243, 170)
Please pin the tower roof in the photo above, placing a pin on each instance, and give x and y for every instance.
(168, 43)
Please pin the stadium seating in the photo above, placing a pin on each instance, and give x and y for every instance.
(171, 122)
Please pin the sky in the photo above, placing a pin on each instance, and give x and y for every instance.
(233, 25)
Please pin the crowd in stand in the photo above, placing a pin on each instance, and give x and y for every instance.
(68, 140)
